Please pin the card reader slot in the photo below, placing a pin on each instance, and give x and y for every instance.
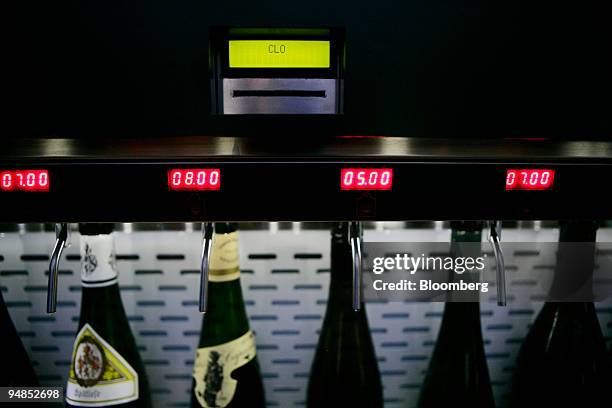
(237, 93)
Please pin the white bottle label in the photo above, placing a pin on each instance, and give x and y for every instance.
(98, 263)
(99, 376)
(212, 371)
(224, 258)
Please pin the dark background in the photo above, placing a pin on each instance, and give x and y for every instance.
(419, 68)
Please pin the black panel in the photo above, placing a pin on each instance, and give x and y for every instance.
(415, 68)
(306, 191)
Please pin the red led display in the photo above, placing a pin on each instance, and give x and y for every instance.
(366, 179)
(529, 179)
(24, 180)
(194, 179)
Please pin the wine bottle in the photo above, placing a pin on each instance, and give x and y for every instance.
(344, 370)
(18, 371)
(106, 368)
(458, 373)
(226, 371)
(563, 360)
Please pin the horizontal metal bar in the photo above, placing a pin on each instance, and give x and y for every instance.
(238, 93)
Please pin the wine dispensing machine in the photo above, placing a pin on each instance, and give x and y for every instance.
(310, 128)
(365, 181)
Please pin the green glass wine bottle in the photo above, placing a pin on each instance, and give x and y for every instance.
(106, 368)
(344, 371)
(226, 371)
(563, 361)
(18, 371)
(458, 373)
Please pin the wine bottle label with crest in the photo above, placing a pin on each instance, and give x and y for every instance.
(99, 376)
(213, 367)
(98, 263)
(224, 258)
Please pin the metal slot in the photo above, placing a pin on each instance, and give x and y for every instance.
(279, 96)
(272, 93)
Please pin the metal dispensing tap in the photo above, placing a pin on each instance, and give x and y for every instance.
(355, 238)
(207, 237)
(494, 239)
(61, 236)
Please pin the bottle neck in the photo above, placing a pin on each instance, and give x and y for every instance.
(98, 261)
(461, 316)
(224, 264)
(223, 295)
(224, 269)
(575, 262)
(466, 238)
(341, 257)
(96, 297)
(226, 319)
(100, 296)
(465, 231)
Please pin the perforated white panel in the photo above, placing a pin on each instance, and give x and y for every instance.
(285, 282)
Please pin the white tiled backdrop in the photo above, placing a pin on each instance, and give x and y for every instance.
(285, 281)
